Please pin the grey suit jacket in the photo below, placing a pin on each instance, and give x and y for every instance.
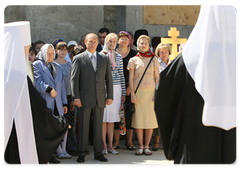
(88, 85)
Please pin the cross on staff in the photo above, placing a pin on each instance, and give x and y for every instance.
(174, 41)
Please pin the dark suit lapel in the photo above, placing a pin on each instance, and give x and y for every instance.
(88, 61)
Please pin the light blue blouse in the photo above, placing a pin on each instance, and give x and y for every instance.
(66, 68)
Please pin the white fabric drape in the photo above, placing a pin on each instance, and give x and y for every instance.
(210, 58)
(16, 97)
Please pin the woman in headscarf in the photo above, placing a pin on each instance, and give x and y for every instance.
(111, 112)
(49, 81)
(124, 49)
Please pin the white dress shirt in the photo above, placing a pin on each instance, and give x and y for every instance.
(91, 54)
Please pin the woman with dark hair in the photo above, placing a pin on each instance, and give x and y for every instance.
(124, 41)
(32, 53)
(37, 45)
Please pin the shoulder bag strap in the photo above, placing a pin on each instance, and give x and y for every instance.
(143, 75)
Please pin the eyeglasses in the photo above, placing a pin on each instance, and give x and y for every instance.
(124, 39)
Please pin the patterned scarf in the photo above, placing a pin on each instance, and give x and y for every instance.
(111, 54)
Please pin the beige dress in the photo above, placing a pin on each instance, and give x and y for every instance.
(144, 116)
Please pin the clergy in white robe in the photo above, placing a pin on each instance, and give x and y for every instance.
(31, 133)
(17, 110)
(195, 100)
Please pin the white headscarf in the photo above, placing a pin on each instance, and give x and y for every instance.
(210, 58)
(42, 55)
(110, 53)
(16, 97)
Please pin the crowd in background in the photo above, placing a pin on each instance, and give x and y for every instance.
(129, 56)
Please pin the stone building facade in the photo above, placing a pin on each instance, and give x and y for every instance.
(70, 22)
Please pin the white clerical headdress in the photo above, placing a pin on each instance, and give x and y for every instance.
(210, 58)
(16, 97)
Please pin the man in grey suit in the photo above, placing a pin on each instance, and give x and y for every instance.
(92, 90)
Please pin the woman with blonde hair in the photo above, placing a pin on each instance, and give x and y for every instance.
(111, 112)
(144, 116)
(162, 52)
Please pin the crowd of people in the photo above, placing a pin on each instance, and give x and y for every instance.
(68, 95)
(75, 78)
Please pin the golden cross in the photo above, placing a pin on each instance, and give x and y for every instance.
(174, 41)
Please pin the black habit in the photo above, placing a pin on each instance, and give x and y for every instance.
(48, 131)
(179, 108)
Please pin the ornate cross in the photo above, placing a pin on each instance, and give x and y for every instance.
(174, 41)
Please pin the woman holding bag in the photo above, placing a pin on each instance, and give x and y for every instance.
(144, 116)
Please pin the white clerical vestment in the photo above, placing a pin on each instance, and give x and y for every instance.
(16, 97)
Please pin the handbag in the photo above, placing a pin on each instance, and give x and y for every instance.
(131, 106)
